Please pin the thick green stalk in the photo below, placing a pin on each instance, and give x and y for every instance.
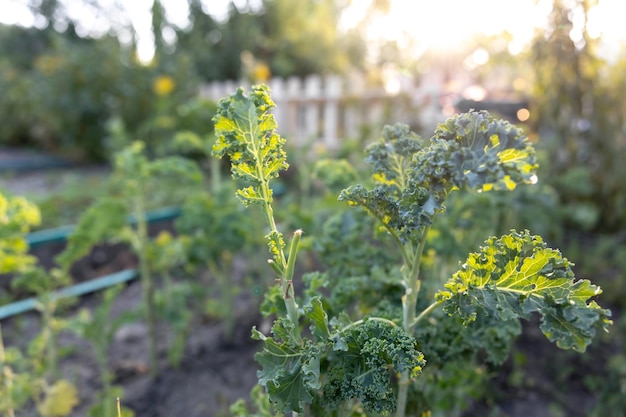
(146, 279)
(286, 266)
(289, 296)
(409, 305)
(413, 283)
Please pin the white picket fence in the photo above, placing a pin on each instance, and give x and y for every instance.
(329, 109)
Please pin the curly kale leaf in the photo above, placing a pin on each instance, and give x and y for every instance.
(516, 275)
(412, 178)
(446, 338)
(367, 360)
(245, 131)
(362, 358)
(391, 160)
(390, 157)
(477, 151)
(290, 369)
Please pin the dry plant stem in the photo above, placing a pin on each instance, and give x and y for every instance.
(119, 408)
(409, 304)
(146, 280)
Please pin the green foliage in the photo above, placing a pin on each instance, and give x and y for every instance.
(17, 216)
(135, 178)
(62, 94)
(580, 114)
(284, 38)
(102, 221)
(359, 359)
(413, 177)
(335, 174)
(516, 275)
(368, 358)
(213, 230)
(245, 131)
(260, 402)
(98, 328)
(338, 366)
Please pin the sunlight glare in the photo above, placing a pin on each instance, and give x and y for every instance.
(446, 25)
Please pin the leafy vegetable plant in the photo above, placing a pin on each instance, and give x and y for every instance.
(135, 177)
(33, 374)
(323, 360)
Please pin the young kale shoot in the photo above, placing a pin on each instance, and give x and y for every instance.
(245, 131)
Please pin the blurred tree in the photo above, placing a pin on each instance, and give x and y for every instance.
(61, 94)
(19, 46)
(579, 112)
(292, 37)
(158, 25)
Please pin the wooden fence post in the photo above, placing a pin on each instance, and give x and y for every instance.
(331, 111)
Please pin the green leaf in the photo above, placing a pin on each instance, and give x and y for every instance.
(368, 359)
(261, 405)
(59, 399)
(17, 216)
(481, 152)
(314, 311)
(412, 177)
(102, 221)
(245, 130)
(290, 370)
(516, 275)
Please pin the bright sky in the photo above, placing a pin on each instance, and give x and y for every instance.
(434, 24)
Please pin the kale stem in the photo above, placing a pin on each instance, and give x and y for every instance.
(287, 283)
(285, 265)
(413, 283)
(359, 322)
(146, 278)
(409, 303)
(426, 312)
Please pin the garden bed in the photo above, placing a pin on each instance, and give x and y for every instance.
(214, 371)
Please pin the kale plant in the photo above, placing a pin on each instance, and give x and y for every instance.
(320, 360)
